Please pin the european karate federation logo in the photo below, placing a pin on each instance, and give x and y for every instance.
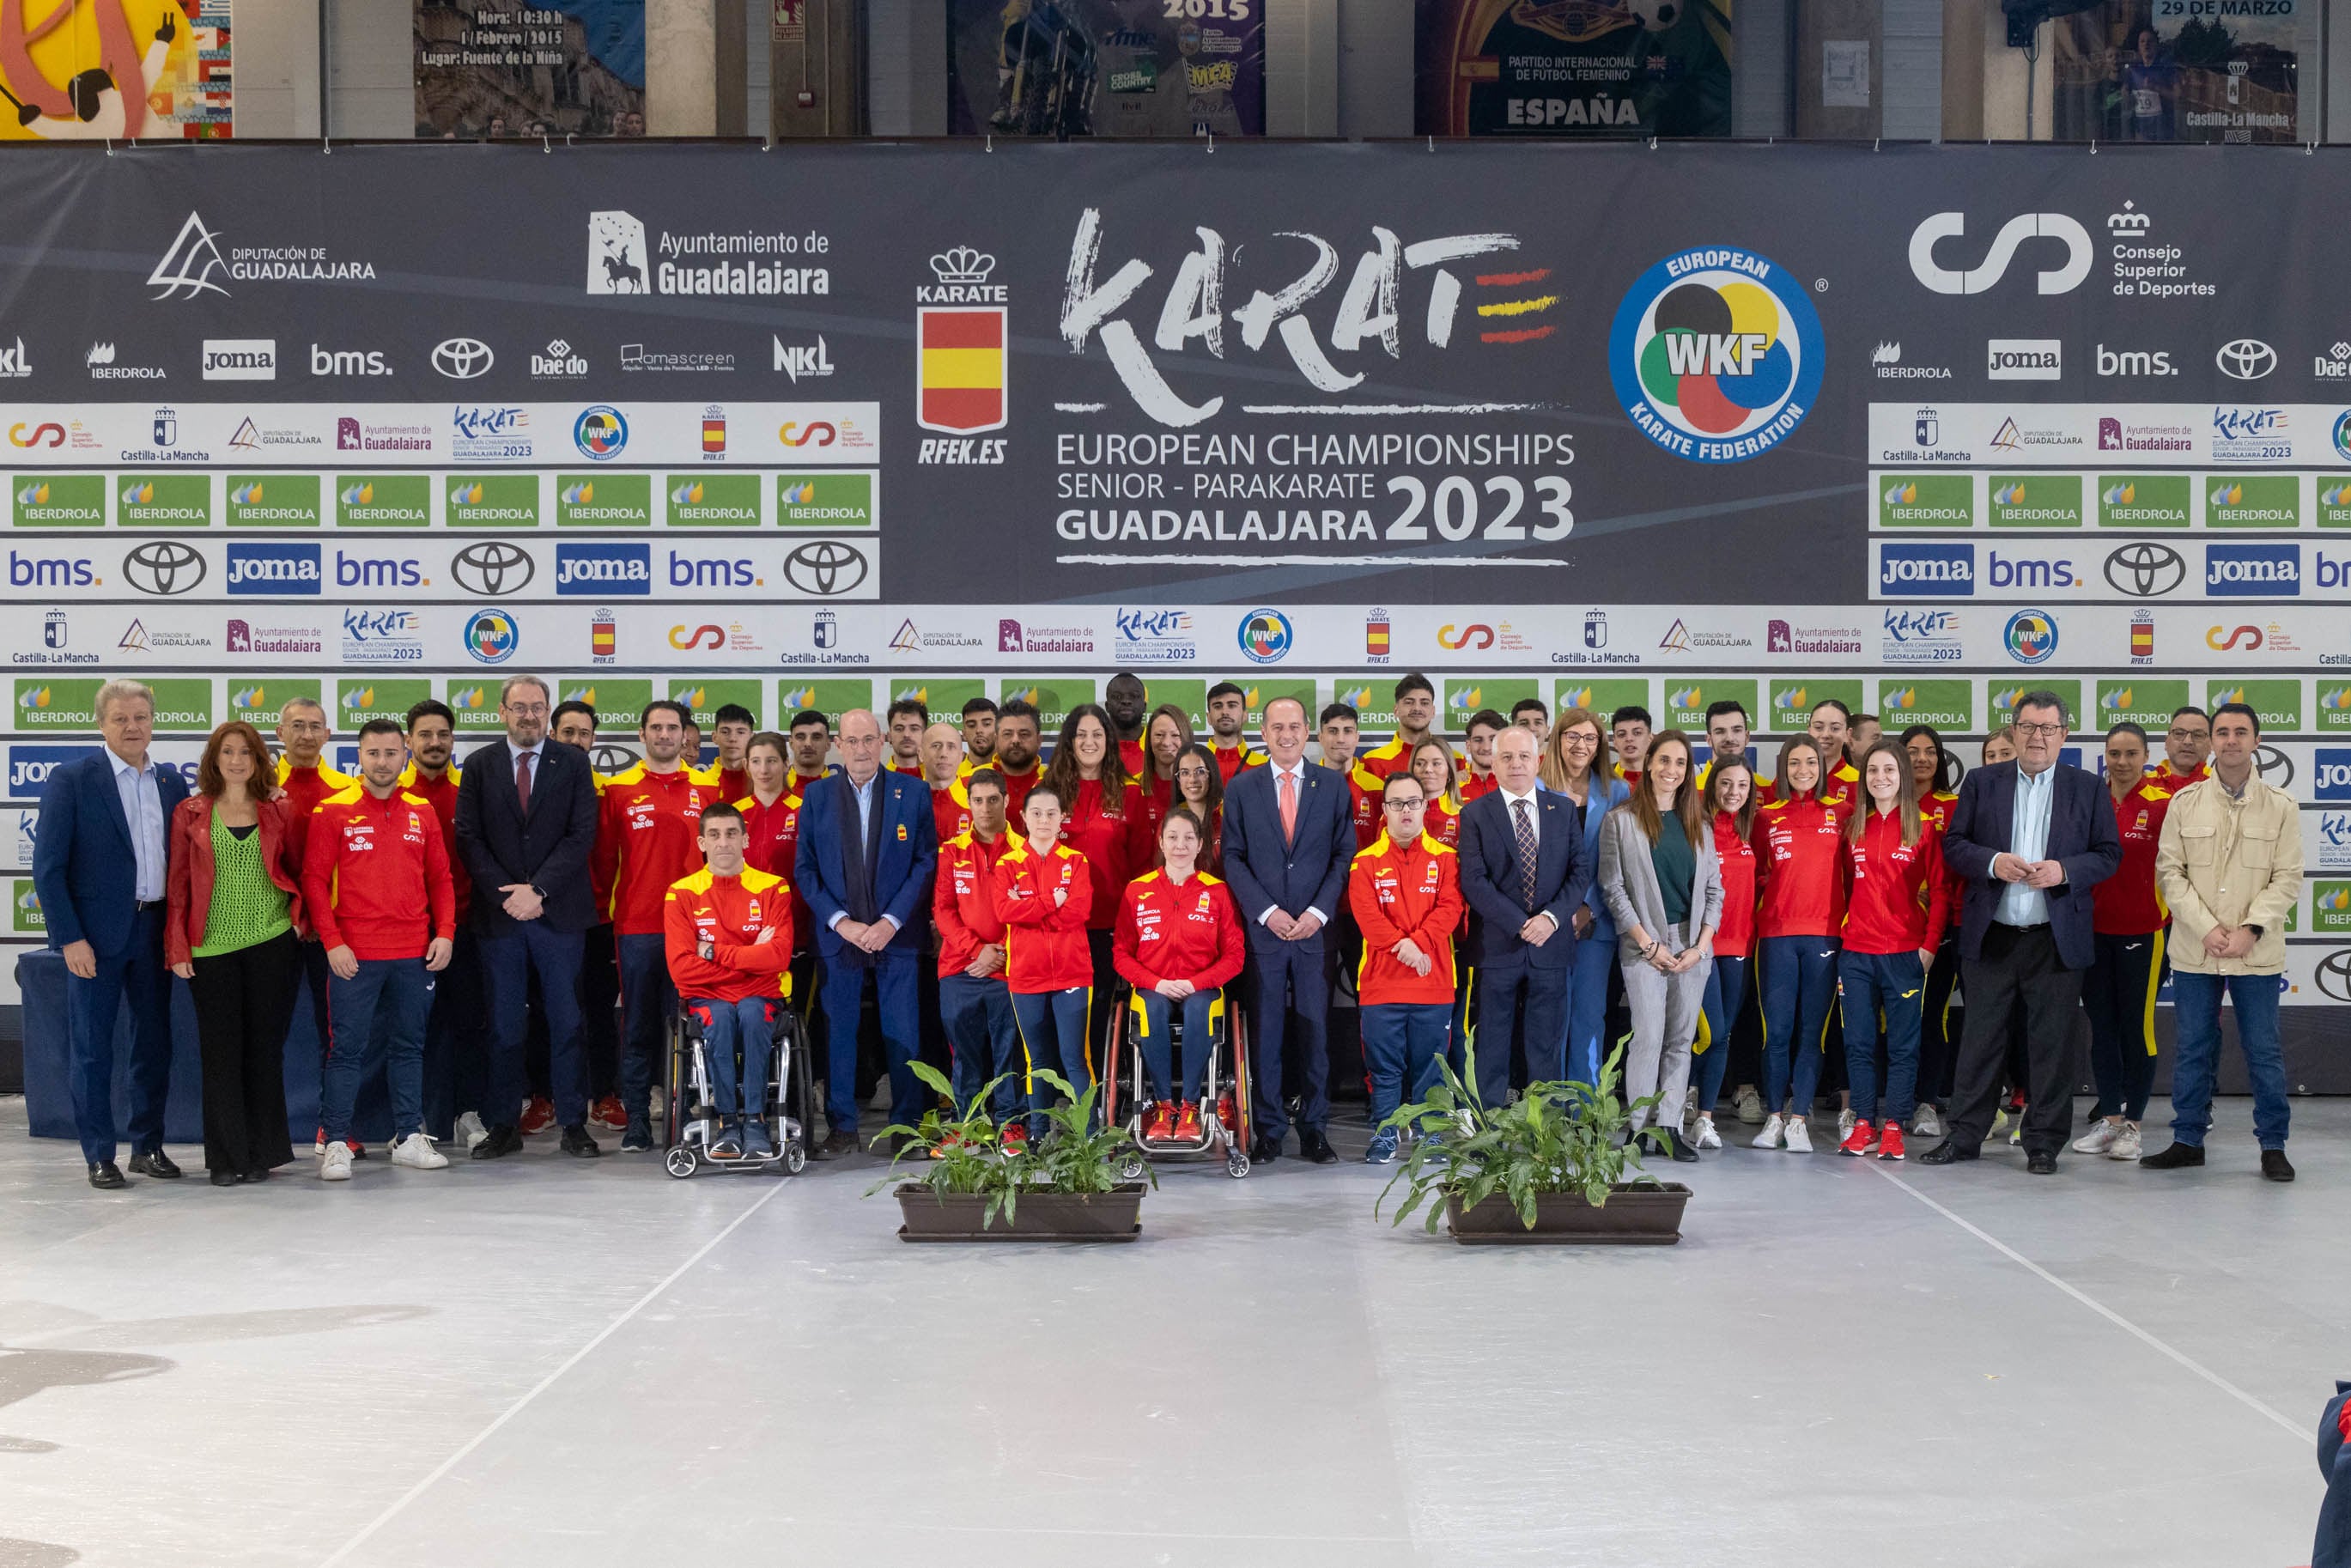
(1716, 354)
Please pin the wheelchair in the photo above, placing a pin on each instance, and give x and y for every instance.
(1225, 1085)
(691, 1099)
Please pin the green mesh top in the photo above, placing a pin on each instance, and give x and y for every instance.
(246, 907)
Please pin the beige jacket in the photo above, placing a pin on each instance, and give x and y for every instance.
(2223, 861)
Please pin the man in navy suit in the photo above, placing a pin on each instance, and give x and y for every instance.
(868, 846)
(1290, 837)
(1523, 874)
(98, 870)
(2031, 839)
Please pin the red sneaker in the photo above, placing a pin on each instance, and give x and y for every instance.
(1228, 1113)
(946, 1141)
(1015, 1139)
(1187, 1124)
(538, 1116)
(605, 1113)
(1889, 1145)
(1860, 1141)
(1159, 1125)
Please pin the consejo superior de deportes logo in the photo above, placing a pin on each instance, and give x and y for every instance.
(1716, 354)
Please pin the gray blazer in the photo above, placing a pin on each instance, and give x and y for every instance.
(1628, 881)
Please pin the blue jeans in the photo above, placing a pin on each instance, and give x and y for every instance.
(1587, 1002)
(1893, 985)
(1799, 984)
(1158, 1060)
(507, 964)
(749, 1025)
(986, 1039)
(135, 974)
(1726, 998)
(2195, 1052)
(1286, 986)
(1054, 1029)
(379, 1013)
(896, 976)
(647, 1001)
(1402, 1041)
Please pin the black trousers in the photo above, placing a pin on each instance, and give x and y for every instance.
(244, 1000)
(1938, 1048)
(2020, 969)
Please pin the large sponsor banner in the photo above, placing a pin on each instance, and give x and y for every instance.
(1574, 67)
(1106, 67)
(88, 70)
(574, 67)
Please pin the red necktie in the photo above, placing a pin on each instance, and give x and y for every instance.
(1288, 807)
(522, 782)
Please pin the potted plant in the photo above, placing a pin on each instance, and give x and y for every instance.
(1554, 1167)
(970, 1183)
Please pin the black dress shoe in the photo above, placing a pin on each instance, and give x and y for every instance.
(2041, 1162)
(227, 1179)
(836, 1145)
(1947, 1153)
(105, 1178)
(2177, 1156)
(2275, 1167)
(1314, 1148)
(578, 1144)
(502, 1141)
(1683, 1153)
(1265, 1149)
(156, 1163)
(258, 1173)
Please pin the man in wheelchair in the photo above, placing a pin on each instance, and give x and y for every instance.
(1178, 942)
(730, 936)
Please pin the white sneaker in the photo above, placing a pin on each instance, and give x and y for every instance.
(2000, 1123)
(1768, 1138)
(2125, 1143)
(470, 1130)
(417, 1152)
(1927, 1123)
(1845, 1120)
(1749, 1106)
(1800, 1136)
(2097, 1140)
(335, 1164)
(2016, 1130)
(1708, 1138)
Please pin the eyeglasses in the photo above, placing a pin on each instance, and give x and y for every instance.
(2048, 730)
(1403, 805)
(2184, 734)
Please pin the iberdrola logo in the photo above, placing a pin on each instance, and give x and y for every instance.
(1716, 354)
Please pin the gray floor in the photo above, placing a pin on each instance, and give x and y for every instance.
(537, 1362)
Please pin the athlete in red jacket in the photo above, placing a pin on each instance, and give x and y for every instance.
(727, 936)
(975, 1003)
(1178, 944)
(1899, 901)
(1405, 893)
(375, 883)
(1800, 856)
(1043, 895)
(2130, 924)
(1731, 803)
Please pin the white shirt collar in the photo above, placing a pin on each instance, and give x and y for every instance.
(1296, 769)
(1533, 794)
(121, 768)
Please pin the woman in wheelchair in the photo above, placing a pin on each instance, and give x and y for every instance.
(1178, 942)
(728, 930)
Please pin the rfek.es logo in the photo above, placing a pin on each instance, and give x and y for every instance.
(1716, 354)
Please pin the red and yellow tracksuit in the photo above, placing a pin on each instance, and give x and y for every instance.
(2130, 924)
(2164, 775)
(303, 788)
(1167, 932)
(1799, 850)
(1898, 898)
(375, 874)
(1395, 757)
(1113, 846)
(1048, 961)
(442, 795)
(1232, 762)
(1406, 890)
(1897, 902)
(963, 898)
(950, 809)
(1443, 824)
(1364, 788)
(1471, 786)
(1736, 934)
(731, 910)
(1016, 787)
(648, 834)
(774, 830)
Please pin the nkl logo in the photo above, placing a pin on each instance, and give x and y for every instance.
(797, 361)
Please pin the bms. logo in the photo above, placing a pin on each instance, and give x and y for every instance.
(1716, 354)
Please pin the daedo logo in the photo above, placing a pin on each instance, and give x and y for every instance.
(2252, 571)
(599, 569)
(1716, 354)
(1927, 571)
(259, 569)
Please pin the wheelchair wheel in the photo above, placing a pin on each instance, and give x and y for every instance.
(681, 1161)
(1129, 1166)
(796, 1159)
(1237, 1165)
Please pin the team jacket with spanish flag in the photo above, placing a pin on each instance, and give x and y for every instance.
(1898, 898)
(1443, 824)
(647, 836)
(1736, 934)
(1045, 946)
(1395, 757)
(1843, 786)
(963, 898)
(731, 910)
(375, 874)
(773, 832)
(1016, 787)
(1800, 854)
(2130, 902)
(442, 795)
(1363, 789)
(950, 809)
(1398, 891)
(2166, 777)
(1471, 786)
(1113, 846)
(1232, 762)
(1167, 932)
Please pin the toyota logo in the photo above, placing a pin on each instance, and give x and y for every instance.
(608, 757)
(493, 568)
(2275, 768)
(2246, 358)
(164, 567)
(2146, 571)
(2334, 975)
(825, 568)
(463, 358)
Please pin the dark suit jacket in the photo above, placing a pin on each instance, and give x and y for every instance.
(1489, 877)
(2081, 835)
(1309, 872)
(909, 854)
(84, 866)
(549, 849)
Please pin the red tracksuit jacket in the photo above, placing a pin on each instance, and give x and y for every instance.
(304, 789)
(375, 874)
(442, 793)
(2129, 904)
(1232, 762)
(647, 836)
(1398, 891)
(1113, 846)
(731, 910)
(1736, 934)
(1170, 933)
(775, 833)
(963, 899)
(951, 811)
(1899, 898)
(1364, 787)
(1800, 853)
(1016, 787)
(1045, 946)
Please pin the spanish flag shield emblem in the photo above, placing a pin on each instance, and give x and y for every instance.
(959, 370)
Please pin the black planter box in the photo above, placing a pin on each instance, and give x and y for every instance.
(1633, 1217)
(1112, 1216)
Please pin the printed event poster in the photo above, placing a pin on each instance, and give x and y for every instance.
(2180, 70)
(1574, 67)
(1106, 67)
(111, 70)
(488, 68)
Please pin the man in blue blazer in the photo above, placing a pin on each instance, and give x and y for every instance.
(1290, 837)
(2031, 839)
(98, 870)
(868, 846)
(1522, 915)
